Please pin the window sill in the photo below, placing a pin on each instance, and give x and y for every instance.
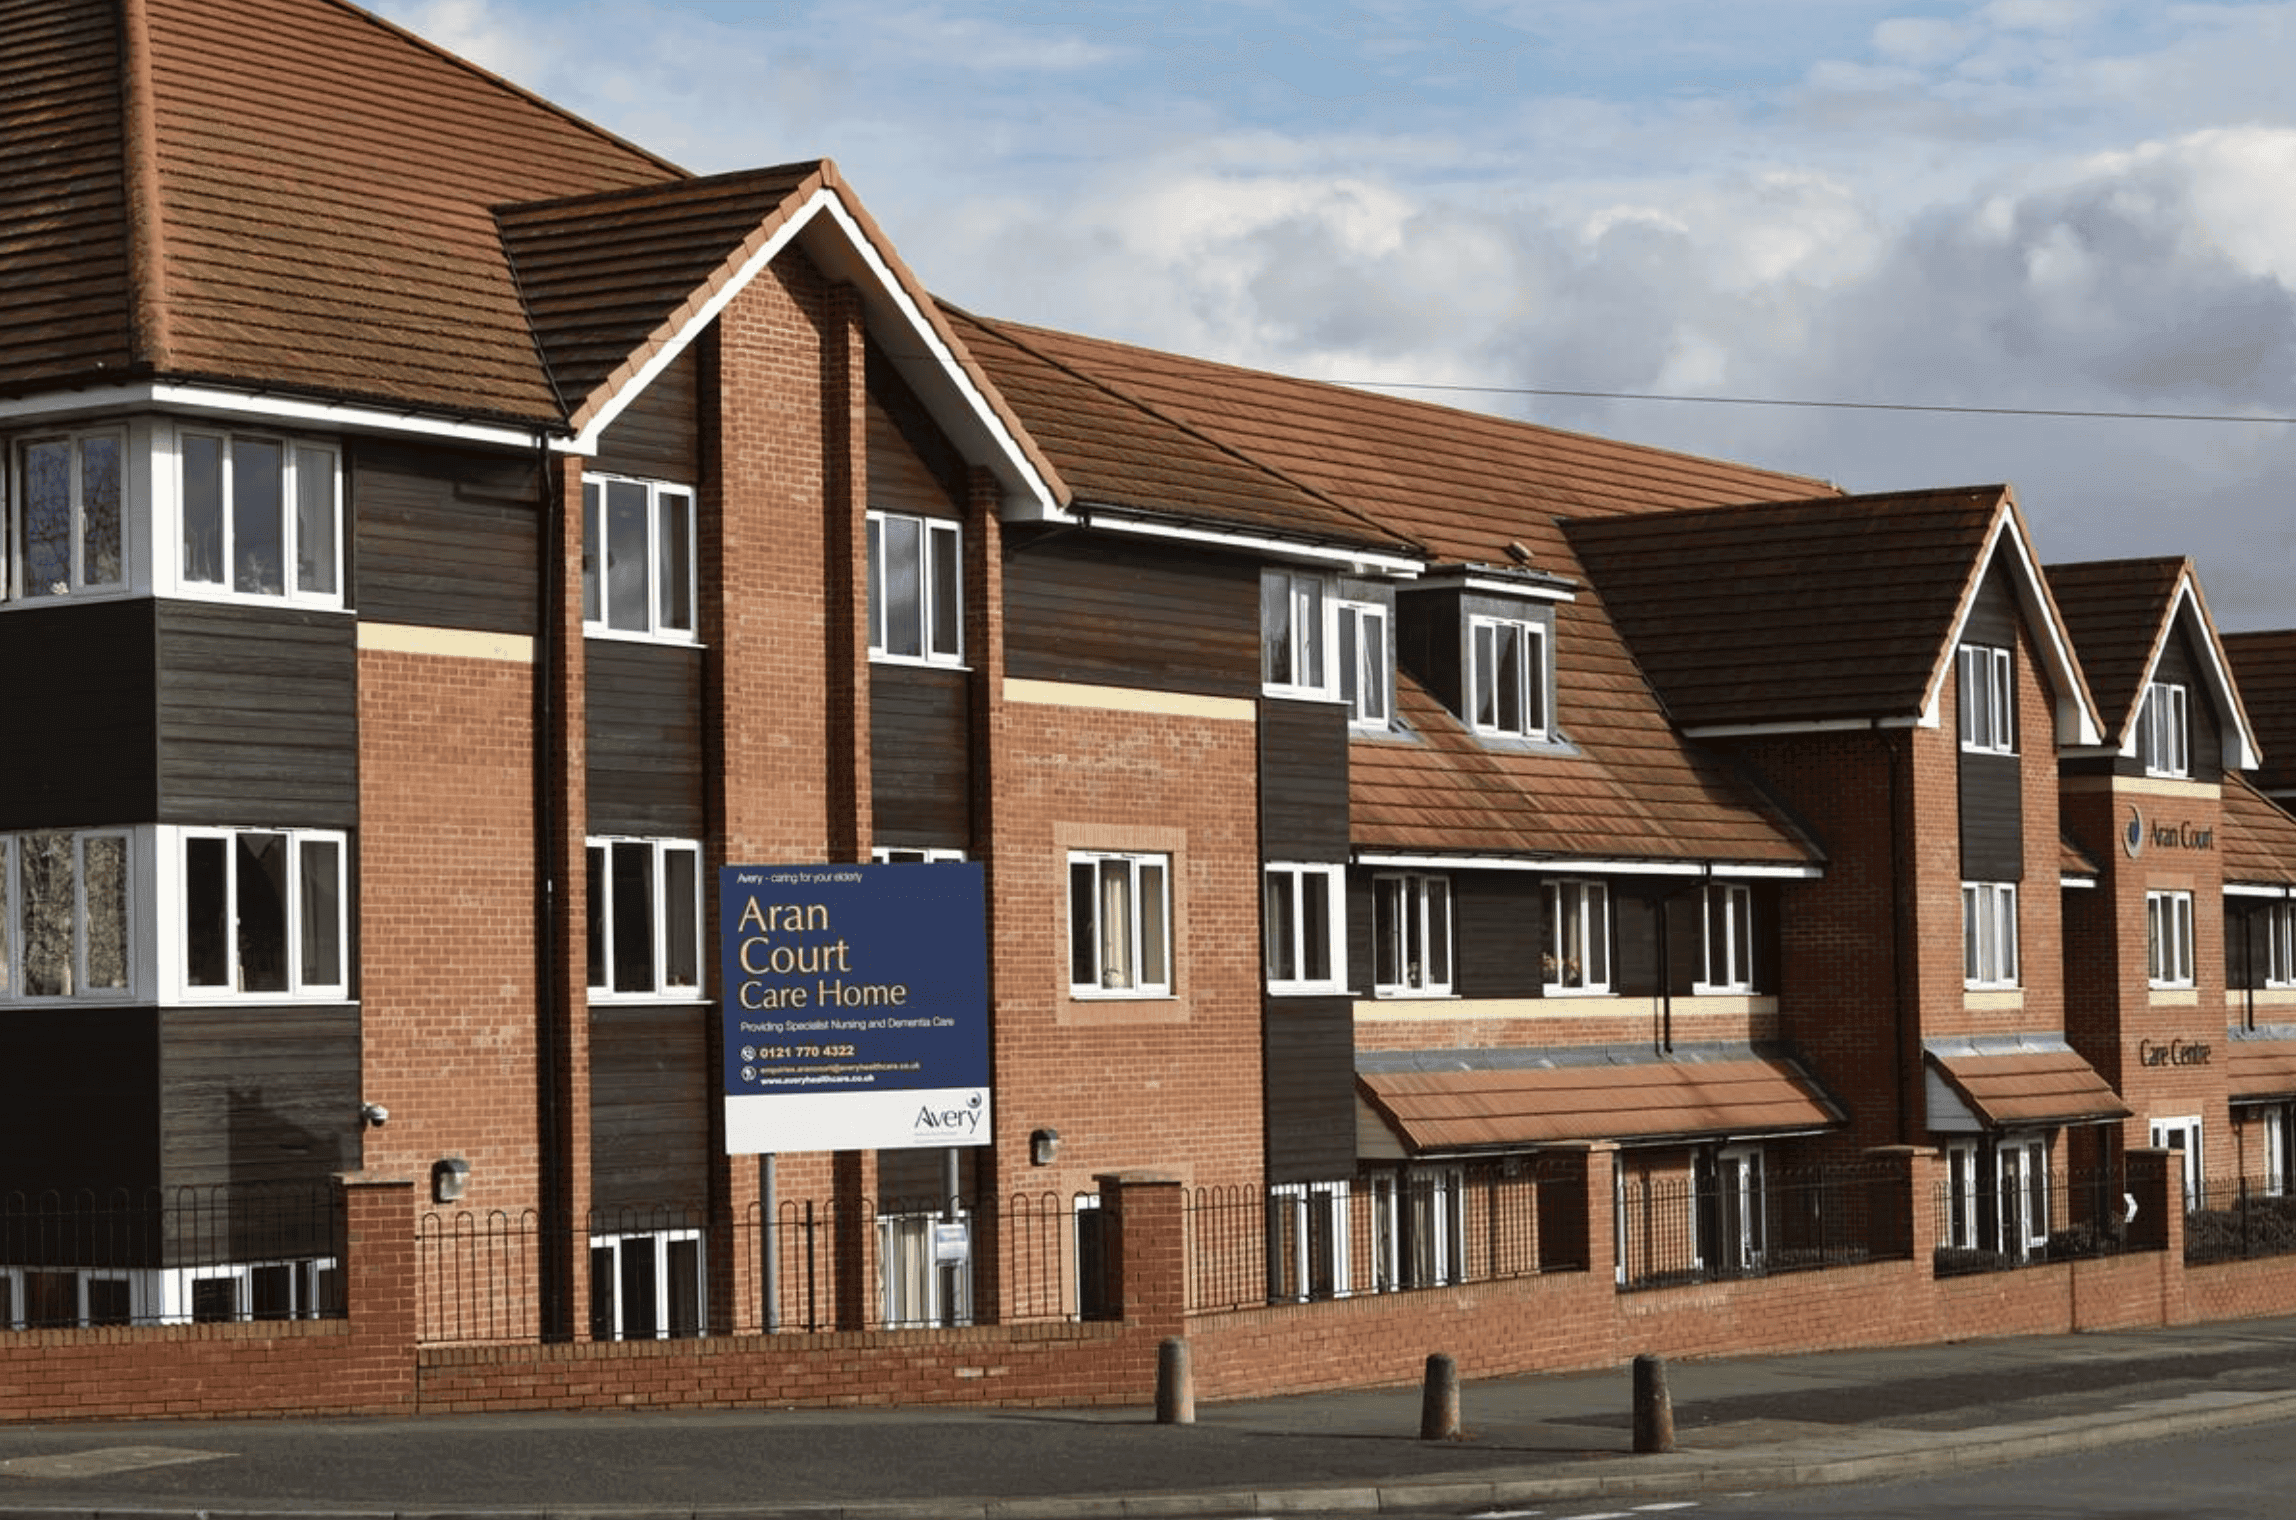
(633, 636)
(677, 997)
(1120, 995)
(1310, 989)
(1553, 991)
(917, 661)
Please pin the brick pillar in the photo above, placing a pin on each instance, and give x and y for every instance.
(1901, 1203)
(381, 1288)
(1149, 1216)
(562, 1077)
(845, 573)
(2156, 1182)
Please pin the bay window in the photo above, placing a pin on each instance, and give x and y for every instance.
(260, 516)
(66, 529)
(1294, 635)
(264, 913)
(1366, 679)
(1577, 957)
(64, 915)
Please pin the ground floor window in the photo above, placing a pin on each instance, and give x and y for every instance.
(2182, 1135)
(1307, 1241)
(646, 1286)
(1961, 1190)
(924, 1269)
(33, 1298)
(1418, 1228)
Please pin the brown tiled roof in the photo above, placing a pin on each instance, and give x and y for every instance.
(1445, 1111)
(2258, 837)
(1802, 611)
(1115, 450)
(1634, 792)
(2006, 1091)
(2265, 666)
(2261, 1068)
(2117, 613)
(290, 194)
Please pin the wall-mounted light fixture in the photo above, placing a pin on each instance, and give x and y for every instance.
(374, 1114)
(449, 1175)
(1043, 1145)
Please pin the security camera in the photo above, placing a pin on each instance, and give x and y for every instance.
(375, 1114)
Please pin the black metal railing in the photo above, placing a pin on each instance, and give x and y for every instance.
(193, 1255)
(1998, 1225)
(2241, 1217)
(1709, 1223)
(1384, 1232)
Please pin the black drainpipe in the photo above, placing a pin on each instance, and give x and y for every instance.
(550, 1044)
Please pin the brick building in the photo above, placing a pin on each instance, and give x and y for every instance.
(477, 531)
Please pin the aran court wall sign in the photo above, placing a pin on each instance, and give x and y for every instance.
(856, 1007)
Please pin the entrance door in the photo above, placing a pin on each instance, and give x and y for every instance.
(2182, 1135)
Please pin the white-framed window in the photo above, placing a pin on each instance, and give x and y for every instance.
(1507, 677)
(1728, 963)
(1577, 955)
(64, 915)
(1418, 1228)
(2280, 944)
(1307, 1241)
(646, 1286)
(916, 595)
(2168, 939)
(2022, 1195)
(260, 516)
(2278, 1123)
(918, 1283)
(902, 855)
(1988, 699)
(66, 523)
(645, 918)
(1303, 927)
(265, 913)
(307, 1288)
(1366, 670)
(2164, 736)
(1411, 935)
(1295, 633)
(1119, 924)
(2182, 1135)
(1961, 1190)
(637, 558)
(1989, 934)
(1734, 1235)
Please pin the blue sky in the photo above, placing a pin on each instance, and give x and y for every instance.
(2051, 204)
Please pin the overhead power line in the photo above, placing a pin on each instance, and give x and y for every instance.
(1847, 406)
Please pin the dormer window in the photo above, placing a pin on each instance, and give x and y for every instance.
(2164, 735)
(1293, 634)
(1366, 676)
(1988, 699)
(1508, 678)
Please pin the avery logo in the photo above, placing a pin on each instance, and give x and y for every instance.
(951, 1121)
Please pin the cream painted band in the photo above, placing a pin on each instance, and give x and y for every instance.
(2003, 1000)
(2262, 997)
(2174, 997)
(1577, 1005)
(447, 643)
(2143, 786)
(1168, 704)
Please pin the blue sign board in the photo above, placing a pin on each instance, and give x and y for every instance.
(856, 1006)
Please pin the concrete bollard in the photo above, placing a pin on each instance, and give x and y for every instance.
(1653, 1406)
(1175, 1383)
(1439, 1404)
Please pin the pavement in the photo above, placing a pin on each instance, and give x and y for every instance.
(1748, 1423)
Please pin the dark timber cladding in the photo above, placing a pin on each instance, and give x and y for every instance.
(920, 775)
(258, 716)
(97, 761)
(256, 1094)
(1497, 920)
(1308, 1061)
(1142, 614)
(645, 739)
(79, 1099)
(444, 538)
(912, 468)
(1303, 781)
(658, 437)
(1992, 786)
(650, 1086)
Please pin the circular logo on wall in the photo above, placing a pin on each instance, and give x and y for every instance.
(2133, 833)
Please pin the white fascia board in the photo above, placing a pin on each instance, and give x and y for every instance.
(2245, 889)
(284, 411)
(2073, 712)
(1812, 726)
(2239, 742)
(1358, 561)
(1494, 585)
(2076, 881)
(1017, 468)
(1395, 860)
